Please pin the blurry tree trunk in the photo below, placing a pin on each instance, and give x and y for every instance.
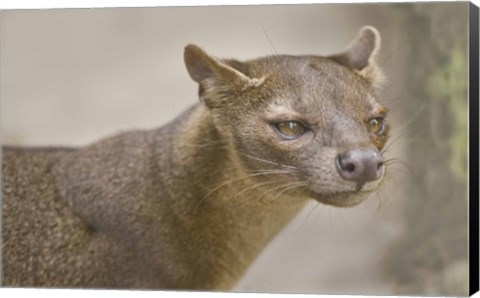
(430, 258)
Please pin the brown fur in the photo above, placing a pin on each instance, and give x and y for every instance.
(190, 205)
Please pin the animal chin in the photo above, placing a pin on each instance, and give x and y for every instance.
(341, 199)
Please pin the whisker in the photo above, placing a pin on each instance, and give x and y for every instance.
(202, 145)
(274, 171)
(393, 141)
(265, 193)
(390, 100)
(396, 160)
(387, 178)
(412, 119)
(289, 187)
(276, 59)
(384, 90)
(253, 187)
(268, 37)
(269, 161)
(379, 201)
(236, 180)
(317, 204)
(391, 55)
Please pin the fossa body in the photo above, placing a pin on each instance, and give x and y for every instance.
(190, 205)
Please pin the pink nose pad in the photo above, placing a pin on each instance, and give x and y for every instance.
(360, 165)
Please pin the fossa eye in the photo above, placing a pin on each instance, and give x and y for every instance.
(376, 125)
(290, 129)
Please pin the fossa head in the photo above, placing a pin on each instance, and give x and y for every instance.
(315, 120)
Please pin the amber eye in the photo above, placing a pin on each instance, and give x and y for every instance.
(291, 129)
(376, 125)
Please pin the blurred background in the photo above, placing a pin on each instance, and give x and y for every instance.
(72, 76)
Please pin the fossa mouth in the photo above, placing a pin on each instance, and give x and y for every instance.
(342, 198)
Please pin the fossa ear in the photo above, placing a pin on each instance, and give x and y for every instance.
(361, 53)
(217, 79)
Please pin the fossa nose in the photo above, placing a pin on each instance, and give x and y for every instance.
(360, 165)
